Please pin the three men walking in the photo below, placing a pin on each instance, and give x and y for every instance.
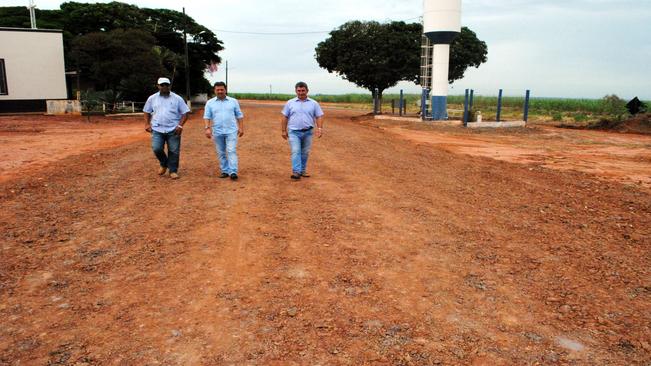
(166, 113)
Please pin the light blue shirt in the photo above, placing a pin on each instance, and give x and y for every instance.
(166, 112)
(301, 113)
(224, 114)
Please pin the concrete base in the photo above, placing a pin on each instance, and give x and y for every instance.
(418, 119)
(496, 124)
(58, 107)
(396, 118)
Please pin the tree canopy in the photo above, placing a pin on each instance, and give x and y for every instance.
(379, 55)
(141, 43)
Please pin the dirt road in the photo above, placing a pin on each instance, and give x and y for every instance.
(395, 252)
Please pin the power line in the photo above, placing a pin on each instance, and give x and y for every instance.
(269, 33)
(287, 33)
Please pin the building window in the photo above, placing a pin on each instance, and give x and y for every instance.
(3, 78)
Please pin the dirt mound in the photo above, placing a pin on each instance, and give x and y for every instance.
(640, 123)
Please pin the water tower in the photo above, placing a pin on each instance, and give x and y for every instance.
(441, 24)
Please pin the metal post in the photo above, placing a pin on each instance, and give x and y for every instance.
(187, 60)
(32, 14)
(465, 108)
(470, 103)
(226, 81)
(423, 104)
(376, 101)
(499, 106)
(133, 107)
(402, 101)
(526, 106)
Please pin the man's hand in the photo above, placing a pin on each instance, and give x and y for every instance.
(178, 130)
(319, 132)
(148, 128)
(285, 135)
(240, 132)
(208, 132)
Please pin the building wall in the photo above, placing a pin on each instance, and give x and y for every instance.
(34, 64)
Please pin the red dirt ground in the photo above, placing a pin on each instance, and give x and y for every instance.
(409, 245)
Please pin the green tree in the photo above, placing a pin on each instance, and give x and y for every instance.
(375, 55)
(372, 55)
(465, 51)
(120, 60)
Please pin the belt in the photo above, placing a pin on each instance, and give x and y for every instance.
(306, 129)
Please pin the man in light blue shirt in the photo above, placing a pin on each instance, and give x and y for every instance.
(224, 123)
(298, 123)
(165, 114)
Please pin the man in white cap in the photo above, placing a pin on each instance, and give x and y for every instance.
(165, 115)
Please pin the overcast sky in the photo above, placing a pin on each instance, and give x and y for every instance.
(556, 48)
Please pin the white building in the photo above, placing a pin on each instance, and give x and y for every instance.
(32, 69)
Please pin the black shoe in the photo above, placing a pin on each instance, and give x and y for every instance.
(224, 175)
(296, 176)
(233, 176)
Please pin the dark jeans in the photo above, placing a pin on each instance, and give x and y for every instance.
(158, 141)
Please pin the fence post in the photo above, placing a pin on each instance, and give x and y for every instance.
(471, 102)
(402, 101)
(526, 106)
(103, 107)
(393, 106)
(133, 107)
(499, 106)
(465, 108)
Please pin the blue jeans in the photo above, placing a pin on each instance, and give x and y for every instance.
(226, 146)
(300, 142)
(171, 160)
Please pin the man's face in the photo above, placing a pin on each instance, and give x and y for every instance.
(220, 91)
(301, 92)
(164, 88)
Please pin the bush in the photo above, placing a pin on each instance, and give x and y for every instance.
(613, 105)
(580, 117)
(557, 116)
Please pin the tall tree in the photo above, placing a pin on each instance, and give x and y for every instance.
(375, 55)
(372, 55)
(119, 60)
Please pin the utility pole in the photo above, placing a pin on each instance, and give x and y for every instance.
(187, 62)
(226, 81)
(32, 13)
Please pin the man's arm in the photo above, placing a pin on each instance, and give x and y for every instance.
(319, 126)
(207, 128)
(240, 127)
(147, 121)
(179, 128)
(283, 126)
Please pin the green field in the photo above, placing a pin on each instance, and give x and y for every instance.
(554, 109)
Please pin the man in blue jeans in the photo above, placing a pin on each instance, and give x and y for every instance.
(165, 114)
(224, 123)
(298, 126)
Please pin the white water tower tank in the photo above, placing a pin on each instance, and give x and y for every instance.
(441, 24)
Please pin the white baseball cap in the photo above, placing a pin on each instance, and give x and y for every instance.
(163, 81)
